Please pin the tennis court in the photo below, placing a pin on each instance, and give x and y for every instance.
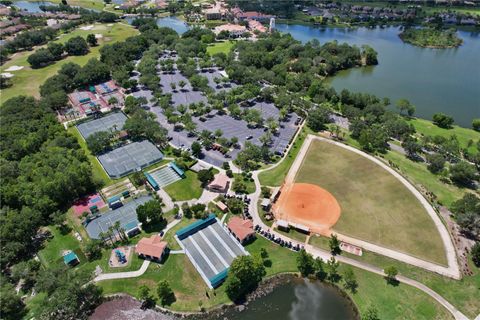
(210, 248)
(126, 215)
(112, 121)
(129, 158)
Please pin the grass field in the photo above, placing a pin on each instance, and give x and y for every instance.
(464, 135)
(28, 80)
(463, 294)
(376, 207)
(224, 47)
(275, 176)
(87, 4)
(185, 189)
(419, 175)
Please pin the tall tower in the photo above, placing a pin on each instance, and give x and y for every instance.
(272, 24)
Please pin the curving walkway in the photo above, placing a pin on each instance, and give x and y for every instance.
(124, 275)
(452, 270)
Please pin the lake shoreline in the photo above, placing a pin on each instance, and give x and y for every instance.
(265, 288)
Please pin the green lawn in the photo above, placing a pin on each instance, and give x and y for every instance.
(282, 259)
(394, 302)
(294, 234)
(419, 175)
(463, 294)
(319, 242)
(88, 4)
(275, 176)
(224, 47)
(185, 281)
(248, 182)
(51, 254)
(376, 207)
(28, 80)
(185, 189)
(427, 128)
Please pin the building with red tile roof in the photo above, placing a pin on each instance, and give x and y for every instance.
(151, 248)
(241, 229)
(220, 183)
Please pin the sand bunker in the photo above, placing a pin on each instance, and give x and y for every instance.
(98, 36)
(90, 27)
(14, 68)
(309, 205)
(7, 75)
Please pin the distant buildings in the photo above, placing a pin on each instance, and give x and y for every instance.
(235, 30)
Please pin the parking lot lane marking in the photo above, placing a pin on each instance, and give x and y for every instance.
(199, 249)
(225, 263)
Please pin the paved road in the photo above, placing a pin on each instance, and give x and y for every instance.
(325, 255)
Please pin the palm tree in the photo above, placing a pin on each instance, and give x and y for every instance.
(182, 84)
(173, 86)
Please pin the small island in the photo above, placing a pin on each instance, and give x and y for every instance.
(431, 38)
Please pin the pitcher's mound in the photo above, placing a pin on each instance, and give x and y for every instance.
(309, 205)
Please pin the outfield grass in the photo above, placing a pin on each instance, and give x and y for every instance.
(218, 47)
(28, 80)
(376, 207)
(275, 176)
(464, 135)
(185, 189)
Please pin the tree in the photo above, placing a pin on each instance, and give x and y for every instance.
(320, 272)
(305, 263)
(442, 120)
(332, 270)
(205, 176)
(173, 85)
(467, 214)
(476, 254)
(99, 141)
(196, 149)
(371, 313)
(40, 58)
(11, 306)
(436, 162)
(148, 301)
(334, 245)
(93, 250)
(165, 293)
(218, 133)
(56, 49)
(411, 147)
(404, 106)
(390, 274)
(150, 212)
(318, 118)
(463, 173)
(476, 124)
(92, 40)
(76, 46)
(182, 84)
(244, 275)
(350, 281)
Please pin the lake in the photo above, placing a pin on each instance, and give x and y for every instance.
(33, 7)
(172, 22)
(296, 300)
(434, 80)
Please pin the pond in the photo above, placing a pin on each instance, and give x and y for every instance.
(435, 80)
(298, 299)
(172, 22)
(33, 7)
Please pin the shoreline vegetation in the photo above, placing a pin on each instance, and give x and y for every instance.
(431, 38)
